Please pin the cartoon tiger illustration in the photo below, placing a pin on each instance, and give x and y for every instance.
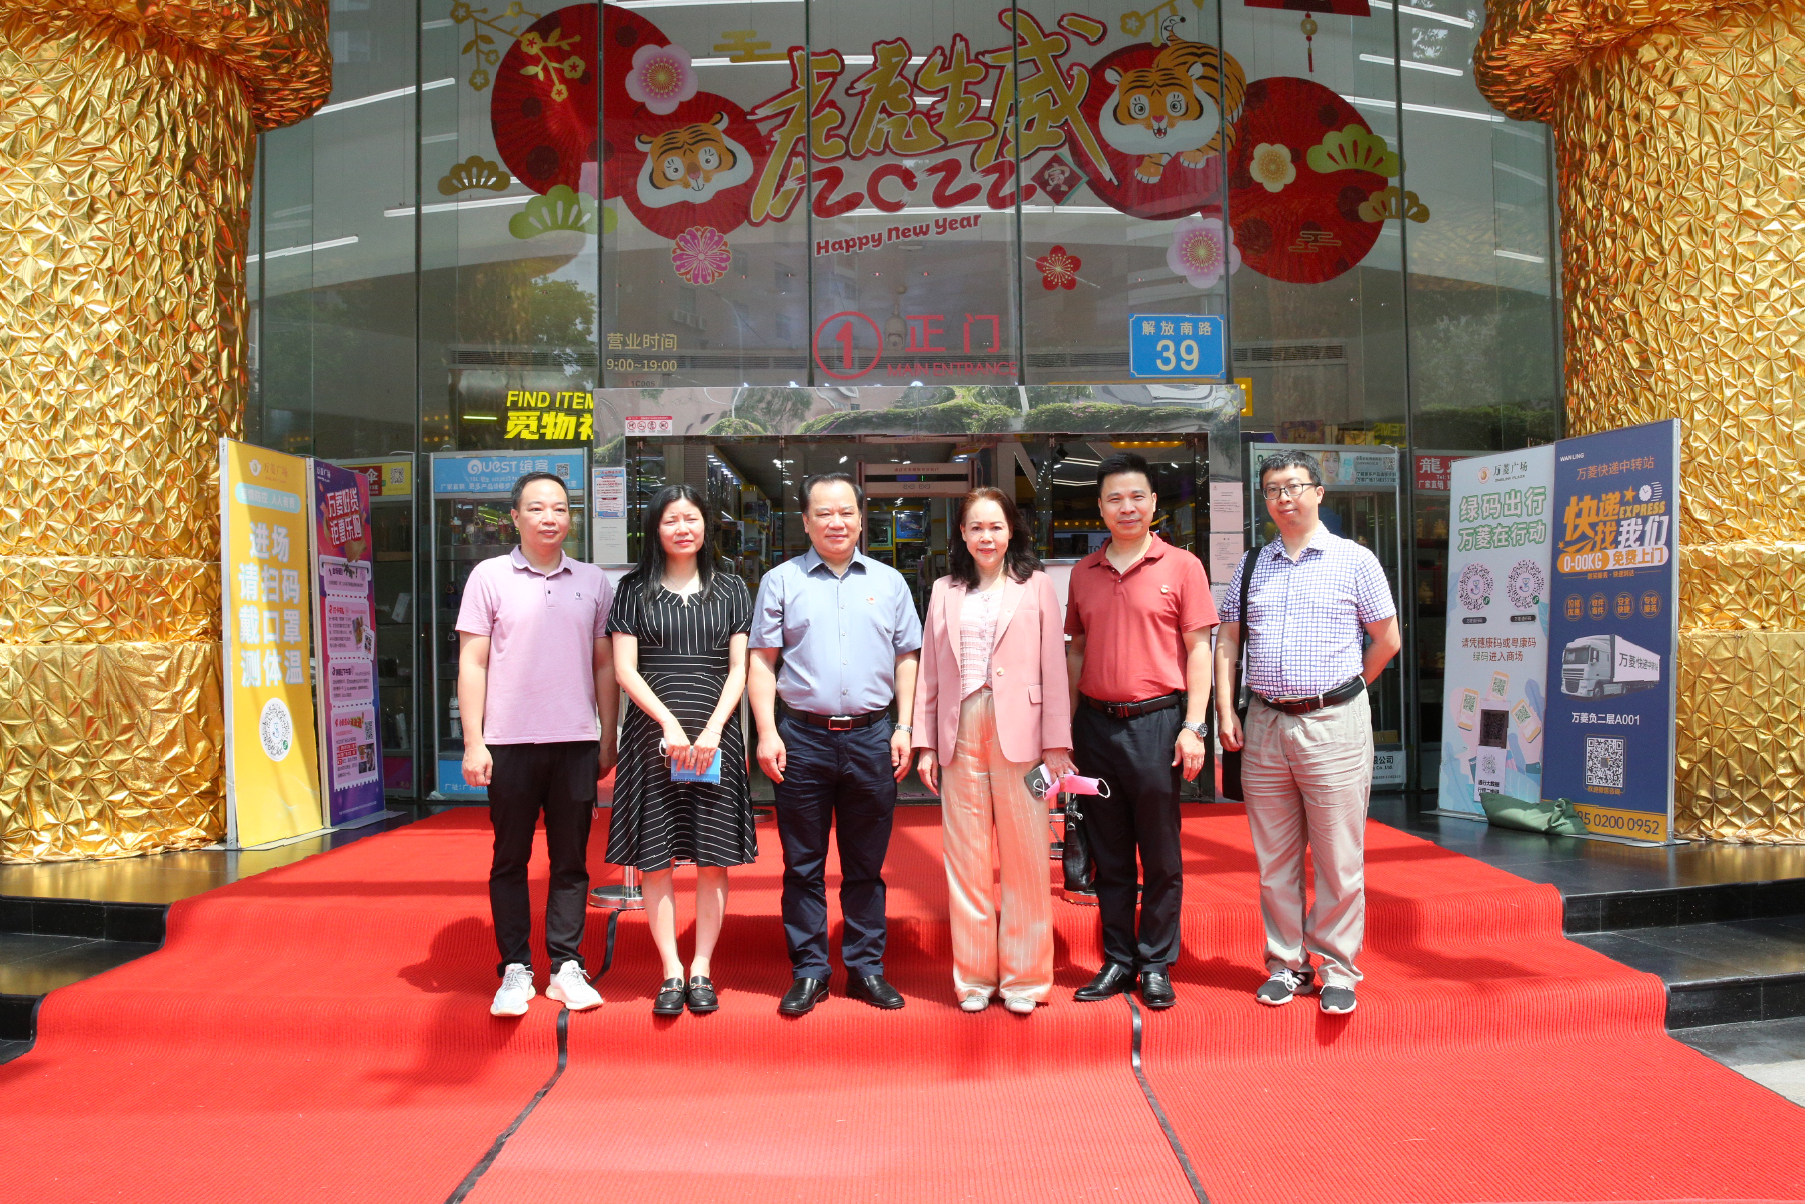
(691, 163)
(1171, 107)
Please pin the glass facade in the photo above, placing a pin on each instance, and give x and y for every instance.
(730, 243)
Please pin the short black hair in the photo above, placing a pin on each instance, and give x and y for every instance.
(831, 478)
(529, 478)
(1120, 463)
(1292, 459)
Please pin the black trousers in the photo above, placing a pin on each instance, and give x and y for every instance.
(558, 780)
(842, 782)
(1141, 815)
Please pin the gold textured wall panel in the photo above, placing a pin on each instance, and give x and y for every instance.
(1680, 130)
(127, 134)
(1739, 775)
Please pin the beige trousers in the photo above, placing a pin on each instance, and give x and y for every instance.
(1307, 779)
(988, 815)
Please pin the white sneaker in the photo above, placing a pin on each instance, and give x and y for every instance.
(1019, 1005)
(515, 993)
(570, 987)
(974, 1002)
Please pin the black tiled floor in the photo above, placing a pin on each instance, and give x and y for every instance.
(1751, 1044)
(53, 968)
(161, 878)
(1752, 947)
(1579, 866)
(1672, 965)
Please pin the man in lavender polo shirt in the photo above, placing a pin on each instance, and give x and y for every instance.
(539, 701)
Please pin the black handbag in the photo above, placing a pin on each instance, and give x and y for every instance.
(1231, 759)
(1080, 867)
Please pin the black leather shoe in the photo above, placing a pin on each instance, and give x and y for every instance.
(1112, 979)
(875, 991)
(1156, 990)
(702, 998)
(670, 998)
(802, 997)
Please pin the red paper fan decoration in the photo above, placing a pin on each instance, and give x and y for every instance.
(543, 105)
(1305, 229)
(1179, 188)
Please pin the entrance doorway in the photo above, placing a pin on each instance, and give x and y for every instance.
(913, 485)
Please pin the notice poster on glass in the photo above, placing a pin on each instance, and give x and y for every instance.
(272, 766)
(345, 622)
(1495, 698)
(610, 515)
(1612, 632)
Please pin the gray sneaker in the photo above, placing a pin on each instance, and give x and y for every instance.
(1338, 1001)
(1283, 984)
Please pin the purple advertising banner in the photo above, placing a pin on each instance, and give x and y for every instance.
(345, 620)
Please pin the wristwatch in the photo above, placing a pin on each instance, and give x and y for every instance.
(902, 727)
(1200, 729)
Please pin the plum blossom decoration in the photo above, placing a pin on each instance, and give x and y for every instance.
(701, 255)
(1058, 269)
(1271, 165)
(1200, 253)
(661, 78)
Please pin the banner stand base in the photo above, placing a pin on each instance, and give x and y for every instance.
(1628, 840)
(364, 821)
(274, 844)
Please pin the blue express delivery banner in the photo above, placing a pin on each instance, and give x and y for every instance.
(1612, 633)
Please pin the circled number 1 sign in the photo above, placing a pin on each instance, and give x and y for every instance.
(1177, 346)
(837, 352)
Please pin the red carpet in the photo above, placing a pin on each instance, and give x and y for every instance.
(320, 1033)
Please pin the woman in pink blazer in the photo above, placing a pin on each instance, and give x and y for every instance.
(991, 703)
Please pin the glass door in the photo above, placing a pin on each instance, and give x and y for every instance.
(1361, 503)
(471, 493)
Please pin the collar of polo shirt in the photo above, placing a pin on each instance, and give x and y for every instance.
(518, 559)
(1156, 547)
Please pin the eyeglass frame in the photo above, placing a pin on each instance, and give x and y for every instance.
(1272, 493)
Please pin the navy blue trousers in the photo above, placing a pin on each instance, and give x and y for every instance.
(835, 781)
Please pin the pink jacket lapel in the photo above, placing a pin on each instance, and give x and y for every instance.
(1013, 591)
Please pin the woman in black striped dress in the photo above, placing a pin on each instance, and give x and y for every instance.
(680, 629)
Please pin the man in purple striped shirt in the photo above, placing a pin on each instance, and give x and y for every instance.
(1307, 764)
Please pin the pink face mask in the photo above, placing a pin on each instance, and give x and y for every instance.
(1071, 783)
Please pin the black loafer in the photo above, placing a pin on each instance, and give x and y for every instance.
(802, 997)
(875, 991)
(1156, 990)
(670, 998)
(702, 998)
(1112, 979)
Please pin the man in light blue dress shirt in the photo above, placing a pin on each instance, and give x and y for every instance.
(850, 640)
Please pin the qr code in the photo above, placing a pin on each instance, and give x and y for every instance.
(1604, 762)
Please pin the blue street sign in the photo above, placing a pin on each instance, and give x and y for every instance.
(1177, 346)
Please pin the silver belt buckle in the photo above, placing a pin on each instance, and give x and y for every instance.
(839, 723)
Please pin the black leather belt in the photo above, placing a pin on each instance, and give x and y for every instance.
(837, 723)
(1128, 710)
(1347, 690)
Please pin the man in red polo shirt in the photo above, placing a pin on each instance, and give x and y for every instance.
(1139, 615)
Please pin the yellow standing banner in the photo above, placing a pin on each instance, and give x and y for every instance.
(272, 758)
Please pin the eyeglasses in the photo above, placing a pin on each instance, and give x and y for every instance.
(1274, 492)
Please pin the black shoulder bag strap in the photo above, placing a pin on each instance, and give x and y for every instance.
(1231, 758)
(1244, 696)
